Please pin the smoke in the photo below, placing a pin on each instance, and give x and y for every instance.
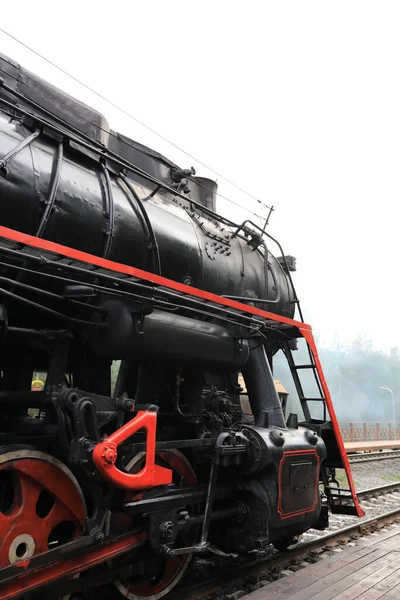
(354, 373)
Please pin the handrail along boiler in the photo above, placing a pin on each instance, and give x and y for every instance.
(110, 252)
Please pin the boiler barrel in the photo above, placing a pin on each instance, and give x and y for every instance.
(95, 210)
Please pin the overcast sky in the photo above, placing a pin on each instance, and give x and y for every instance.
(296, 102)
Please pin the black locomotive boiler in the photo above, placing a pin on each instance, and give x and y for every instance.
(110, 252)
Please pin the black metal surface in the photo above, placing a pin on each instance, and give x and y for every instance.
(14, 151)
(176, 497)
(281, 485)
(67, 550)
(264, 400)
(53, 191)
(195, 342)
(93, 211)
(67, 178)
(50, 267)
(209, 502)
(108, 212)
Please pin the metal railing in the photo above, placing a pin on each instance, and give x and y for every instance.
(363, 431)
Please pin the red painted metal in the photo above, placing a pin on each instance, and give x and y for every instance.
(30, 481)
(304, 329)
(31, 581)
(30, 240)
(170, 569)
(308, 336)
(105, 455)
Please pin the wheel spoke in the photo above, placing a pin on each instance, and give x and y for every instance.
(41, 505)
(159, 576)
(27, 495)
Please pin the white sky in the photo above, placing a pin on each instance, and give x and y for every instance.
(296, 102)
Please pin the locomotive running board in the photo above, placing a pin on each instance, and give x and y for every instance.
(47, 250)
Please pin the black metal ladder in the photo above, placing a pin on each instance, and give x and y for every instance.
(339, 498)
(294, 369)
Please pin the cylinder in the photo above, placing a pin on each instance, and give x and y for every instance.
(166, 336)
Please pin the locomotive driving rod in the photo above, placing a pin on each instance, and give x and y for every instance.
(66, 561)
(77, 557)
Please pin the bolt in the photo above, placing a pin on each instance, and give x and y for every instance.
(100, 537)
(166, 530)
(128, 405)
(109, 455)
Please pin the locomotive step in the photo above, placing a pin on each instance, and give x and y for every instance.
(312, 399)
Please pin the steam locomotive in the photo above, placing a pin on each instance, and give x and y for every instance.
(112, 254)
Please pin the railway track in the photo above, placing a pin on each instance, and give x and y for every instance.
(379, 490)
(216, 578)
(371, 456)
(239, 579)
(228, 582)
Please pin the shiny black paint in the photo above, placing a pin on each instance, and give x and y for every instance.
(178, 354)
(192, 246)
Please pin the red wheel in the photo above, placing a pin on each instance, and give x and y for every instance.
(41, 505)
(160, 574)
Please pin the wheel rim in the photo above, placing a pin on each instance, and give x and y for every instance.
(41, 505)
(165, 573)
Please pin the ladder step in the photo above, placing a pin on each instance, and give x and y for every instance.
(312, 399)
(343, 509)
(304, 367)
(335, 491)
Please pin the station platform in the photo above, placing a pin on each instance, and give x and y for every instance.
(373, 446)
(368, 569)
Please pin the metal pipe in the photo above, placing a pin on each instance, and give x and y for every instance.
(108, 154)
(108, 211)
(53, 192)
(48, 310)
(10, 155)
(209, 502)
(153, 245)
(263, 397)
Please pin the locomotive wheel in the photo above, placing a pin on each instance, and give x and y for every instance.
(161, 574)
(41, 504)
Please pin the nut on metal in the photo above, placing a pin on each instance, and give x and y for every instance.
(109, 455)
(166, 530)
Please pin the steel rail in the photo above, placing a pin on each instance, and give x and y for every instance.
(371, 456)
(380, 490)
(237, 575)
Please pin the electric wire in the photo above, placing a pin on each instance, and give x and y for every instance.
(112, 134)
(129, 115)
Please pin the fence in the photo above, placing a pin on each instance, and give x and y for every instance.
(367, 431)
